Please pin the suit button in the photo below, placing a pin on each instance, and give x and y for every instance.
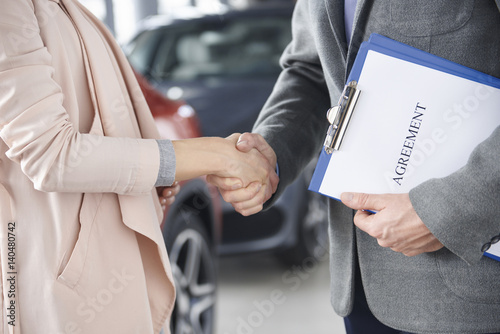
(485, 247)
(496, 239)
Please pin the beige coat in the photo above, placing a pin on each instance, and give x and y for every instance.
(80, 243)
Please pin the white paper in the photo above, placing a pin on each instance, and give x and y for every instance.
(458, 115)
(495, 251)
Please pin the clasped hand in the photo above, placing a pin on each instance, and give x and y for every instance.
(248, 199)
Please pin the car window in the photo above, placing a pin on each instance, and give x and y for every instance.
(244, 47)
(142, 50)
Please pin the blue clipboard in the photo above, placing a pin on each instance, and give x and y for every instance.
(410, 54)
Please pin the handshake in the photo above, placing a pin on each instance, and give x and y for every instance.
(241, 166)
(251, 180)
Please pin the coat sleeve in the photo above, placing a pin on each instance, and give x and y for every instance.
(461, 210)
(293, 119)
(36, 127)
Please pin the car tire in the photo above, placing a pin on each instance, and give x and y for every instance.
(193, 263)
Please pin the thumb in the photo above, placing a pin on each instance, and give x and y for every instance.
(234, 137)
(248, 141)
(361, 201)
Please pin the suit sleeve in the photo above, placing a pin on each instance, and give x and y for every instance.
(293, 119)
(36, 127)
(461, 210)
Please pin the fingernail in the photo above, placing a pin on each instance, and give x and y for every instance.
(236, 186)
(347, 197)
(241, 142)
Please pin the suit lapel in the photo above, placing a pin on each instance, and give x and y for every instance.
(360, 15)
(360, 8)
(335, 13)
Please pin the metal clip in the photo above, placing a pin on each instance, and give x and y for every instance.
(339, 117)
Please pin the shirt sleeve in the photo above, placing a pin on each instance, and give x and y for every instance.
(166, 174)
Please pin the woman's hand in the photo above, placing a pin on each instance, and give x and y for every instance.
(167, 195)
(220, 157)
(249, 166)
(248, 200)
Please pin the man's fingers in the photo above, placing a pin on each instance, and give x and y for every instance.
(252, 205)
(241, 195)
(425, 244)
(247, 141)
(247, 198)
(225, 183)
(363, 220)
(395, 226)
(361, 201)
(251, 211)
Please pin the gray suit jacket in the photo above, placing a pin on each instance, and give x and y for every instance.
(456, 289)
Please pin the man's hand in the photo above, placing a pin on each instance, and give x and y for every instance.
(251, 199)
(395, 225)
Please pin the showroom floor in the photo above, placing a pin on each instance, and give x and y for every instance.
(259, 295)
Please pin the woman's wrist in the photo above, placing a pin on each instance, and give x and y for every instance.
(201, 156)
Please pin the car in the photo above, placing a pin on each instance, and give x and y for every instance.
(225, 65)
(191, 227)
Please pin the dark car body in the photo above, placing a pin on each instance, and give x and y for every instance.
(225, 66)
(191, 227)
(218, 61)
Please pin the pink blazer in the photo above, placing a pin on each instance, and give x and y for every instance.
(80, 243)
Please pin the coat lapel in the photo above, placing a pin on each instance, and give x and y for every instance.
(141, 214)
(360, 15)
(335, 12)
(111, 111)
(361, 8)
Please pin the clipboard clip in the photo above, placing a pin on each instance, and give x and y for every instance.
(339, 117)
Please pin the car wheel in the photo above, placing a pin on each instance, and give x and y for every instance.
(193, 263)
